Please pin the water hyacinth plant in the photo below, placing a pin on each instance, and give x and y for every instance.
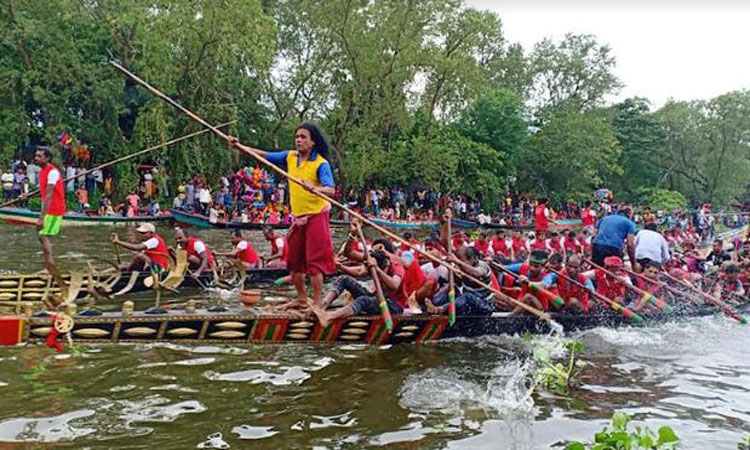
(620, 438)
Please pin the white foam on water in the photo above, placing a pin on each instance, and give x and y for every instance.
(344, 420)
(253, 433)
(215, 440)
(45, 429)
(291, 375)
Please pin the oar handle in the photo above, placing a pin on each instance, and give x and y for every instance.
(647, 296)
(451, 276)
(718, 302)
(382, 304)
(616, 306)
(535, 288)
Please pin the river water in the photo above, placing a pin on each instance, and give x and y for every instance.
(471, 394)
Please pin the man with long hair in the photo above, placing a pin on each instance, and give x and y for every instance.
(309, 238)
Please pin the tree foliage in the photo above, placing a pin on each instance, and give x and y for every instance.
(412, 93)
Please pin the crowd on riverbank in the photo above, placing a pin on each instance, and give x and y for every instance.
(253, 194)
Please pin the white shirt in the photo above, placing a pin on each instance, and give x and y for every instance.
(439, 273)
(652, 245)
(151, 243)
(7, 180)
(32, 171)
(204, 195)
(280, 243)
(53, 176)
(199, 247)
(242, 245)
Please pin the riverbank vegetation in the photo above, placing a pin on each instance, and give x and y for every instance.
(426, 94)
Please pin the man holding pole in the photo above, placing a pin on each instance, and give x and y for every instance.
(310, 250)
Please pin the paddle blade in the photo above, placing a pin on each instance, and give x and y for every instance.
(283, 280)
(451, 307)
(743, 321)
(386, 315)
(637, 319)
(558, 301)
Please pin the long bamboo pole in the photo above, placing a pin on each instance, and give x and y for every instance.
(36, 192)
(254, 154)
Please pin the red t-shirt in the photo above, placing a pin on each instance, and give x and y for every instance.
(398, 295)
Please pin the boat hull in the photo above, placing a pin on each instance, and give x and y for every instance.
(245, 327)
(20, 216)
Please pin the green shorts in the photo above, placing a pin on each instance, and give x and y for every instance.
(51, 225)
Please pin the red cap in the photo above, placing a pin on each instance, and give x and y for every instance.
(613, 261)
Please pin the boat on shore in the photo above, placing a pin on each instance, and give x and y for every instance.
(23, 216)
(241, 326)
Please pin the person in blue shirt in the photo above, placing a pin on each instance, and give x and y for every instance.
(612, 233)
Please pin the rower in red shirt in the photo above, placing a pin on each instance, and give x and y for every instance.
(243, 251)
(576, 297)
(502, 248)
(199, 256)
(612, 288)
(152, 250)
(279, 250)
(482, 244)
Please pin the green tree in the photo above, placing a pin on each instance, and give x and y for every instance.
(577, 70)
(642, 138)
(572, 154)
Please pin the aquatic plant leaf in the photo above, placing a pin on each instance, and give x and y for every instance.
(575, 446)
(620, 420)
(667, 435)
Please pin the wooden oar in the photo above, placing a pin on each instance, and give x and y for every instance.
(660, 283)
(451, 276)
(382, 304)
(716, 301)
(647, 296)
(258, 157)
(535, 287)
(36, 192)
(615, 305)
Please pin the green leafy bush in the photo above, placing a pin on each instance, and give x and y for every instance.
(619, 438)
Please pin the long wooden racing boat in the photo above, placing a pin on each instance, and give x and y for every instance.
(22, 216)
(110, 283)
(240, 326)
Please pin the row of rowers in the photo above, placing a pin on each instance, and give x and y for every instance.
(153, 252)
(411, 287)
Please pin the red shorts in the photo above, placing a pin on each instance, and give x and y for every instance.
(310, 246)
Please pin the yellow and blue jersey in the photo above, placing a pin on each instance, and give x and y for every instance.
(315, 171)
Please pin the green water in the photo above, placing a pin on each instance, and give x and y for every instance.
(469, 394)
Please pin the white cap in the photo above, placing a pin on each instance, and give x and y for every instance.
(146, 227)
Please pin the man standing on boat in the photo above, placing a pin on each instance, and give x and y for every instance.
(53, 205)
(199, 257)
(309, 238)
(611, 234)
(542, 216)
(152, 252)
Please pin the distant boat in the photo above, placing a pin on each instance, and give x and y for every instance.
(22, 216)
(199, 221)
